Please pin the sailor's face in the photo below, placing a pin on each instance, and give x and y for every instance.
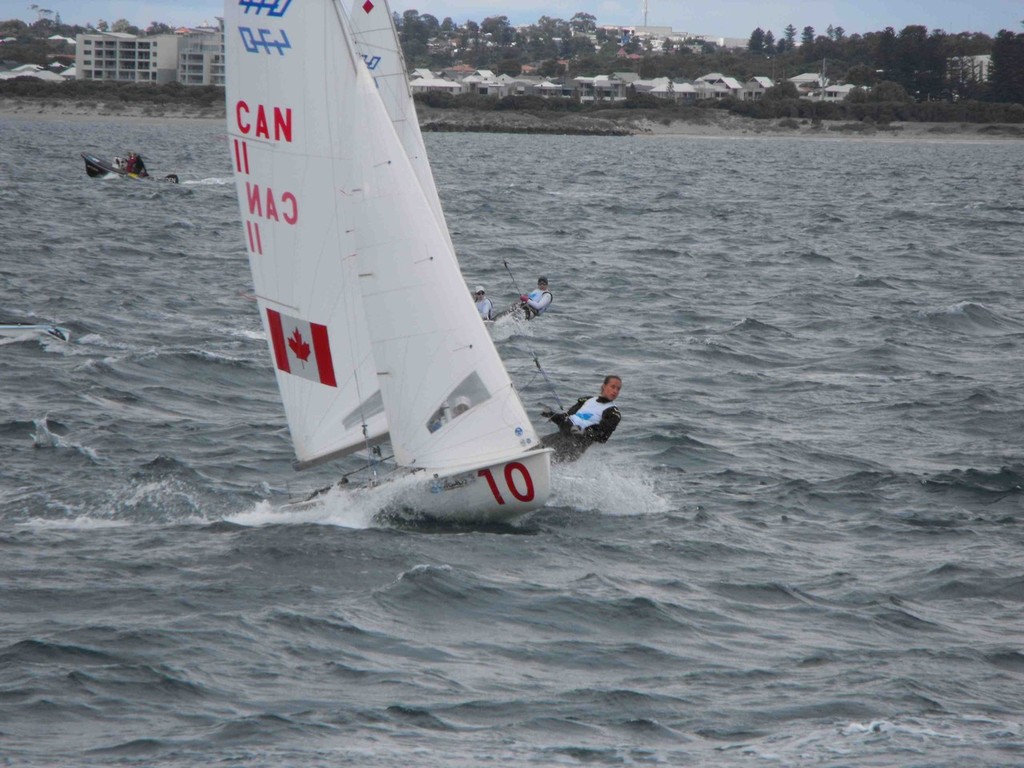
(611, 389)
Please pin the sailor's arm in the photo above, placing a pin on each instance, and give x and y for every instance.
(601, 431)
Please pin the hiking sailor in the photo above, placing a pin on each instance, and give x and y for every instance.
(483, 305)
(589, 420)
(536, 302)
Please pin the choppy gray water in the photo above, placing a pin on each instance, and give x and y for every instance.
(802, 547)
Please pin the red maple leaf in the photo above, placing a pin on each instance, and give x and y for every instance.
(299, 347)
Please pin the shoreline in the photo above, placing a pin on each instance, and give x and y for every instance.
(640, 123)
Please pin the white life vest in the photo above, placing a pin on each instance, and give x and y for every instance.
(485, 308)
(590, 413)
(537, 298)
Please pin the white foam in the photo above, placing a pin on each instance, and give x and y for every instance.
(42, 437)
(588, 484)
(77, 523)
(511, 325)
(211, 181)
(346, 507)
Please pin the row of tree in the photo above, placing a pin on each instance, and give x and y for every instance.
(922, 62)
(930, 66)
(918, 60)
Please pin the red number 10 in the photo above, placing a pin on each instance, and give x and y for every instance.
(515, 466)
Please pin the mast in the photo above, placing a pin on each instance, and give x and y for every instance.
(645, 14)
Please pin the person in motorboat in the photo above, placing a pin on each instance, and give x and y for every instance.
(483, 305)
(589, 420)
(537, 301)
(135, 165)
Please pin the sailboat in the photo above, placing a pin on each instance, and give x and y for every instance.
(20, 331)
(372, 331)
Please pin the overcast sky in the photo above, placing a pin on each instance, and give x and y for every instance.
(719, 18)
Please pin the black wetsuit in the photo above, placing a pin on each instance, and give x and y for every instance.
(570, 441)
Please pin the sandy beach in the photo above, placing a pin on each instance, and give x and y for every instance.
(699, 122)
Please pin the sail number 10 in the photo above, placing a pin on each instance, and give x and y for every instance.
(511, 470)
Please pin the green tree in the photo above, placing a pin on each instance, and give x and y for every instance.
(887, 90)
(857, 96)
(756, 42)
(125, 26)
(781, 92)
(1007, 76)
(13, 28)
(583, 23)
(807, 37)
(789, 35)
(860, 75)
(508, 66)
(498, 28)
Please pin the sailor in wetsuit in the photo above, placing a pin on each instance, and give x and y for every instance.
(589, 420)
(535, 302)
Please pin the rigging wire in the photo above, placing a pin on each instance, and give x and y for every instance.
(536, 360)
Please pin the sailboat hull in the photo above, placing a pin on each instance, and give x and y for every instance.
(26, 330)
(491, 494)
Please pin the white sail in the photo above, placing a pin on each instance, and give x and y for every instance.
(359, 275)
(292, 174)
(434, 357)
(373, 30)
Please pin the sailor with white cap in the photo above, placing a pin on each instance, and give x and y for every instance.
(483, 304)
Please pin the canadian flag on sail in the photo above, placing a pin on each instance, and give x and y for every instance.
(301, 348)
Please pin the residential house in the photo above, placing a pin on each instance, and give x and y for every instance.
(754, 89)
(684, 93)
(807, 83)
(32, 70)
(836, 91)
(424, 81)
(552, 90)
(715, 85)
(526, 85)
(599, 88)
(483, 82)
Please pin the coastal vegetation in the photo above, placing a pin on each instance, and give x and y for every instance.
(924, 63)
(911, 75)
(108, 92)
(885, 104)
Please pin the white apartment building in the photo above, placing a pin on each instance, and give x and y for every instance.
(195, 57)
(127, 58)
(201, 57)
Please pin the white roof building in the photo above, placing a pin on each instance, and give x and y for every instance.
(32, 71)
(427, 84)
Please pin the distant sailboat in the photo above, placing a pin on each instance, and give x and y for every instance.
(31, 330)
(371, 328)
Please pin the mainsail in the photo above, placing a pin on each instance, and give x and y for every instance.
(364, 304)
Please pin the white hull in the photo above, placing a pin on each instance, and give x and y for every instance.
(493, 494)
